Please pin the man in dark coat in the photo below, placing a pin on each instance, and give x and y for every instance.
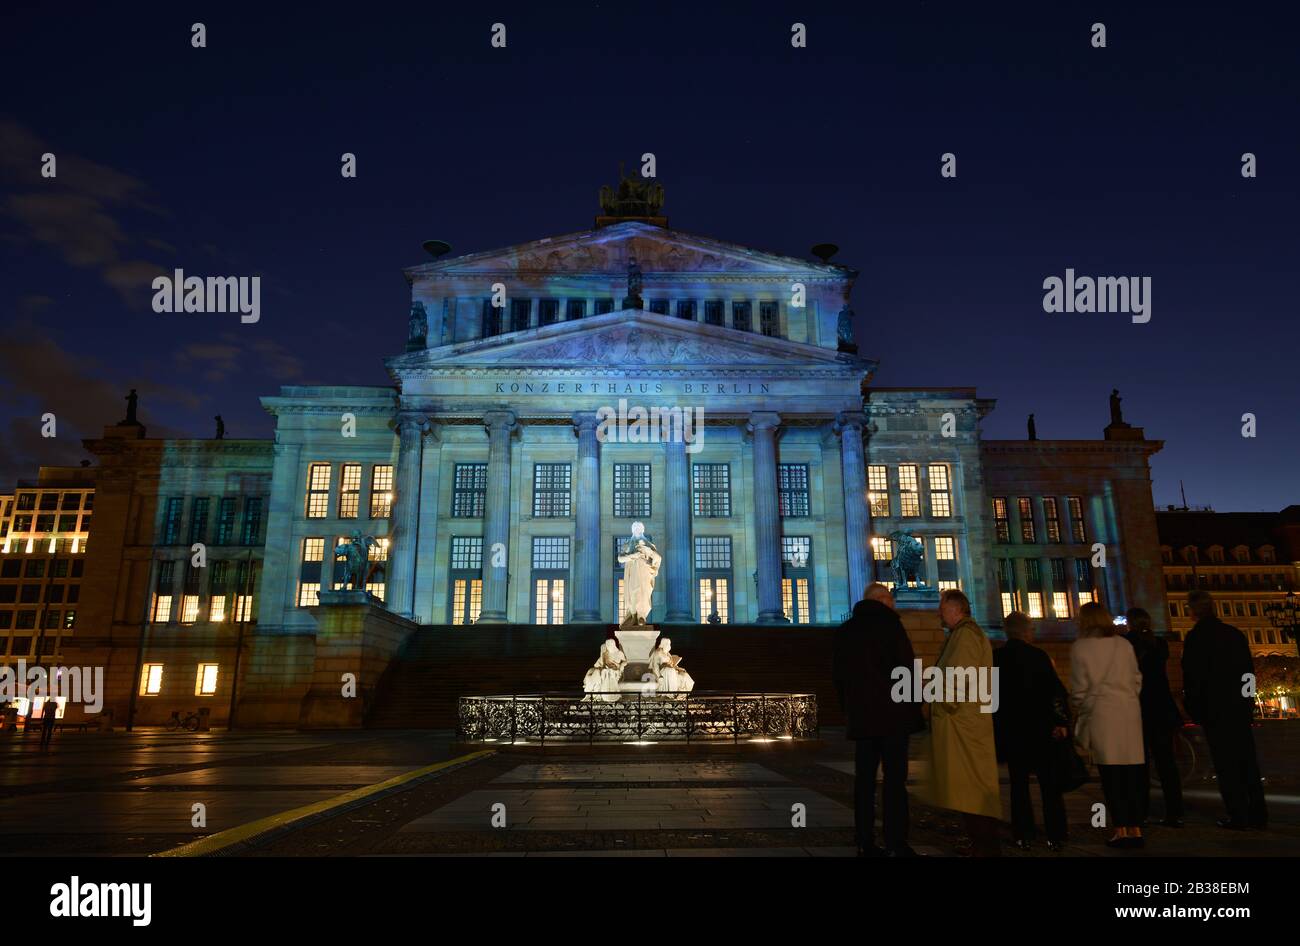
(1216, 667)
(1160, 716)
(868, 647)
(1033, 715)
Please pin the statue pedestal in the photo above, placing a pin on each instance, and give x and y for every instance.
(922, 597)
(357, 635)
(636, 647)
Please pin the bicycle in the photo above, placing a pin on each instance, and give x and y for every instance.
(190, 723)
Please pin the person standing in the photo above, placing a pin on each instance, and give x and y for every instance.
(1216, 667)
(963, 765)
(1160, 716)
(1032, 716)
(49, 711)
(867, 649)
(1104, 686)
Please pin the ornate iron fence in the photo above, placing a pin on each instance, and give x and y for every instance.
(636, 717)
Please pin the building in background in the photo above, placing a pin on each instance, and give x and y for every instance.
(504, 464)
(1246, 560)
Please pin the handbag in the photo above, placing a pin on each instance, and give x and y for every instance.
(1071, 770)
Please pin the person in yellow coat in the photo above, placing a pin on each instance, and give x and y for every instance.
(963, 765)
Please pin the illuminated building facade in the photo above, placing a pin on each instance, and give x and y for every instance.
(541, 407)
(1246, 560)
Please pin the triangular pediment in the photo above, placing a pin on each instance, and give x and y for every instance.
(610, 249)
(626, 339)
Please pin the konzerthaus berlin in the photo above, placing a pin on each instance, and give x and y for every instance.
(498, 497)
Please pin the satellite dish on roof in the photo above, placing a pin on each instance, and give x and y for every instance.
(436, 248)
(824, 251)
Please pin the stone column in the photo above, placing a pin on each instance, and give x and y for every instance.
(767, 520)
(857, 514)
(678, 550)
(496, 516)
(586, 578)
(404, 526)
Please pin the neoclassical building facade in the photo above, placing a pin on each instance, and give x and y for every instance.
(547, 397)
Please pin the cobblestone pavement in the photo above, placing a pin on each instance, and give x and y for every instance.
(136, 793)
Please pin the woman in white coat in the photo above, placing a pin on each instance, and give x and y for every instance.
(1104, 687)
(669, 677)
(603, 678)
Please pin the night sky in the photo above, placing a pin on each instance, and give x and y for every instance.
(225, 161)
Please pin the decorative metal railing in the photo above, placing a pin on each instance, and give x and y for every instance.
(636, 717)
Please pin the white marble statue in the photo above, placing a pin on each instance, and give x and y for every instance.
(665, 667)
(640, 560)
(604, 677)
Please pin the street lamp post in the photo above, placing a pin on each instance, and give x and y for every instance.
(1285, 615)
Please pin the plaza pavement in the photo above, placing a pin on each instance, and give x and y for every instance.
(134, 793)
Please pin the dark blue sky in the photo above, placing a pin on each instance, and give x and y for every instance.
(225, 161)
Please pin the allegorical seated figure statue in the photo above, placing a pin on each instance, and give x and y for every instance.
(666, 669)
(601, 681)
(640, 560)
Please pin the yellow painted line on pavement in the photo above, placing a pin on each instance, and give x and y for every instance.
(284, 819)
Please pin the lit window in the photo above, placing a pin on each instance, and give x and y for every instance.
(909, 490)
(162, 609)
(318, 490)
(1001, 519)
(1052, 518)
(940, 491)
(189, 609)
(217, 608)
(1026, 508)
(882, 549)
(381, 491)
(1035, 604)
(205, 684)
(376, 588)
(350, 491)
(945, 560)
(878, 489)
(794, 600)
(243, 607)
(313, 549)
(1076, 519)
(308, 594)
(151, 679)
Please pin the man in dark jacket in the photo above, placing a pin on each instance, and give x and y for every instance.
(1216, 668)
(1160, 716)
(868, 647)
(1032, 715)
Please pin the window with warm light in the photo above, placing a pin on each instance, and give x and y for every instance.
(550, 578)
(189, 609)
(151, 676)
(205, 684)
(350, 491)
(318, 490)
(1052, 519)
(381, 491)
(940, 491)
(466, 578)
(713, 576)
(909, 490)
(878, 489)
